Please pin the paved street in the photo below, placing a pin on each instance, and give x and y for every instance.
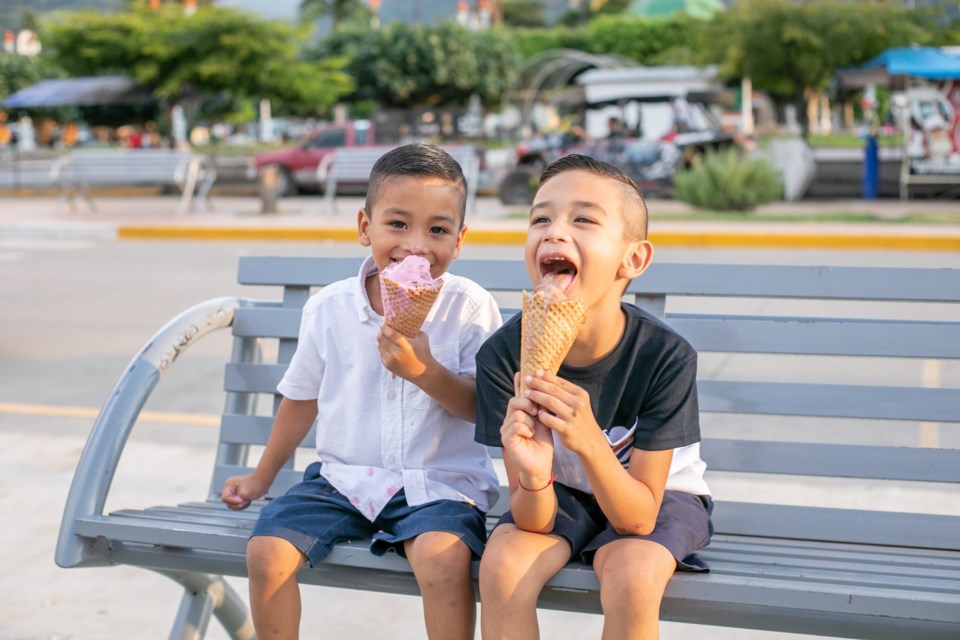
(74, 312)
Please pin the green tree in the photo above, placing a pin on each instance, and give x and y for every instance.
(405, 65)
(215, 51)
(19, 72)
(646, 40)
(791, 50)
(340, 12)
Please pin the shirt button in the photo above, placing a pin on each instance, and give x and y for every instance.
(391, 395)
(391, 459)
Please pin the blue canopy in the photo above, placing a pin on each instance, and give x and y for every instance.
(80, 92)
(922, 62)
(917, 62)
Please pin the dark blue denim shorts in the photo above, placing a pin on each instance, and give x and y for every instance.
(683, 525)
(313, 516)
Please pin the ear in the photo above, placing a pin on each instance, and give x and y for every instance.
(460, 236)
(636, 259)
(363, 226)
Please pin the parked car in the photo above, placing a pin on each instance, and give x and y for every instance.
(297, 166)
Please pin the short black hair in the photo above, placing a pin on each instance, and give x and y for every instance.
(417, 160)
(636, 225)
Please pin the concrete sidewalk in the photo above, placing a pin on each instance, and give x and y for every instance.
(307, 218)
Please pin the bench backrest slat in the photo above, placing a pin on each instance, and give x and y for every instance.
(847, 283)
(278, 322)
(819, 336)
(253, 378)
(831, 460)
(828, 400)
(872, 527)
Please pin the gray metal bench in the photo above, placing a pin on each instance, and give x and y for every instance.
(876, 567)
(192, 174)
(352, 166)
(19, 172)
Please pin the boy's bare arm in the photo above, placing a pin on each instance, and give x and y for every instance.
(534, 511)
(528, 459)
(630, 499)
(411, 359)
(290, 427)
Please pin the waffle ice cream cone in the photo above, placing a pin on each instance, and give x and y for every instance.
(549, 325)
(408, 292)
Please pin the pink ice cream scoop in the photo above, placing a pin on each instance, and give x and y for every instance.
(408, 292)
(411, 271)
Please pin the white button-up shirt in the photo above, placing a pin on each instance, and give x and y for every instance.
(377, 434)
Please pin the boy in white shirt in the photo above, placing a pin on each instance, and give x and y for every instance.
(397, 457)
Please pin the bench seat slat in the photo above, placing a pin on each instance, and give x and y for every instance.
(817, 564)
(134, 526)
(819, 336)
(829, 400)
(832, 460)
(769, 586)
(838, 525)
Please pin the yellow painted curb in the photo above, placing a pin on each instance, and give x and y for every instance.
(162, 417)
(711, 239)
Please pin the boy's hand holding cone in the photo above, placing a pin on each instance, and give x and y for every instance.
(408, 292)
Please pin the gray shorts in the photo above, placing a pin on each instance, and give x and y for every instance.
(683, 526)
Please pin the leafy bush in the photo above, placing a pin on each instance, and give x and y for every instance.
(726, 181)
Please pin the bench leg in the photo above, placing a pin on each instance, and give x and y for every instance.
(205, 594)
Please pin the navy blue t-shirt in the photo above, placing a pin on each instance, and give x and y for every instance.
(649, 379)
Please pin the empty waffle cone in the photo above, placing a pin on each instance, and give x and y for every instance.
(549, 325)
(404, 308)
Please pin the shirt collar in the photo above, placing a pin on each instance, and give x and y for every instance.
(364, 310)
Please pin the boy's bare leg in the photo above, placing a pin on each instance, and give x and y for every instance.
(514, 567)
(441, 564)
(633, 575)
(272, 564)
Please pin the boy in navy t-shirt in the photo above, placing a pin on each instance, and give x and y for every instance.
(603, 459)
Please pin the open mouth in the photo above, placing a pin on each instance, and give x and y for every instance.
(558, 271)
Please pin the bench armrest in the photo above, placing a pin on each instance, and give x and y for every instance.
(101, 454)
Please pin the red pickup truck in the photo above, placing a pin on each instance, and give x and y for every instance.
(297, 166)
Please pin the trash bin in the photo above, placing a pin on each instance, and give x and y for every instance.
(871, 169)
